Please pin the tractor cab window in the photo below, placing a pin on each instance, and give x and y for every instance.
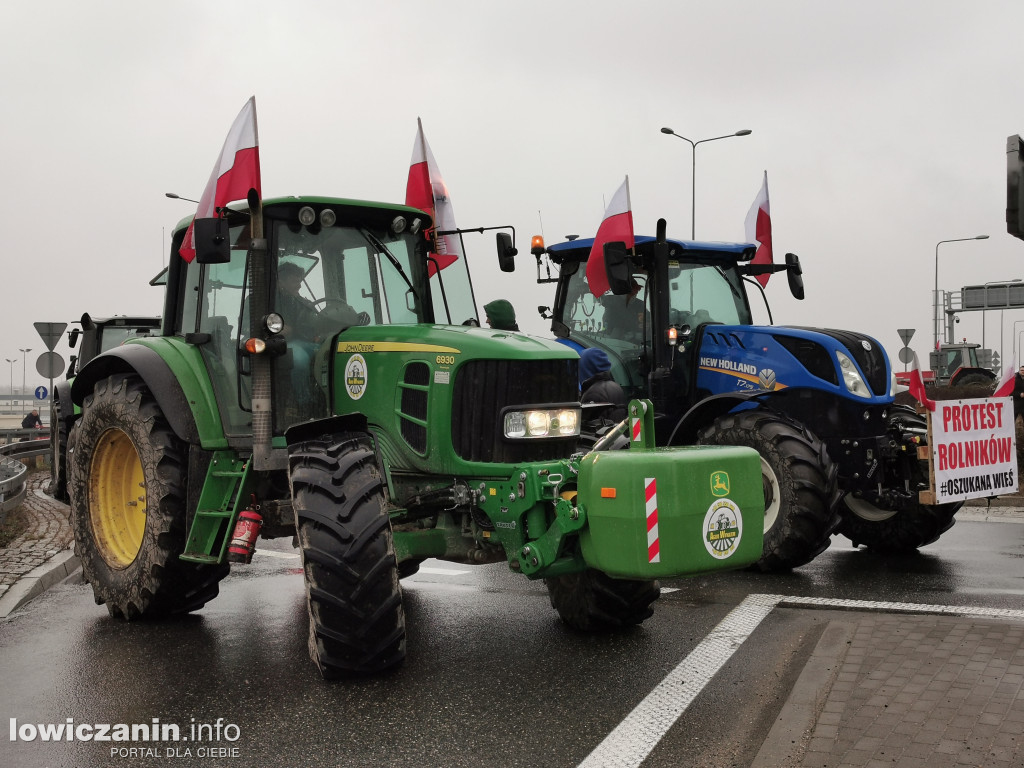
(451, 290)
(325, 281)
(702, 293)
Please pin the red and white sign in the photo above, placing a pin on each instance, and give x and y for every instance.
(973, 447)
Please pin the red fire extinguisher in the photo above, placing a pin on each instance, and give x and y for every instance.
(247, 529)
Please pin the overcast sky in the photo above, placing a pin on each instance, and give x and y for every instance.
(882, 126)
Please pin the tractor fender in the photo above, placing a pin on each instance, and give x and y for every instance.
(159, 378)
(709, 409)
(332, 425)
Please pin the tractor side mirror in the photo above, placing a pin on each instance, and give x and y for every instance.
(506, 252)
(616, 266)
(795, 275)
(212, 243)
(73, 337)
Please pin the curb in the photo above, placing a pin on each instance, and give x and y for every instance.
(785, 742)
(38, 580)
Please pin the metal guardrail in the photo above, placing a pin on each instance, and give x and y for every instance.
(18, 444)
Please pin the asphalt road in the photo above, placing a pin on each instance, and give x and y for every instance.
(492, 677)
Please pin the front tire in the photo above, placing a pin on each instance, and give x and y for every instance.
(127, 487)
(58, 487)
(356, 618)
(591, 601)
(891, 531)
(799, 482)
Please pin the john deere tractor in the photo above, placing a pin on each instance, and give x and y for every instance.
(318, 374)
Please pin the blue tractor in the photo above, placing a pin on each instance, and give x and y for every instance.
(838, 455)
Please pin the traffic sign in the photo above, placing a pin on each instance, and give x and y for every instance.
(50, 365)
(50, 333)
(905, 333)
(906, 355)
(41, 393)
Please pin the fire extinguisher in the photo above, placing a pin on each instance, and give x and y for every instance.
(247, 529)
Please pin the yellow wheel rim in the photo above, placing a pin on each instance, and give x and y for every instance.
(117, 499)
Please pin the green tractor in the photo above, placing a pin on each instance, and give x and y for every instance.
(318, 375)
(92, 336)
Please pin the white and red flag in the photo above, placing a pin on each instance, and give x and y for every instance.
(1005, 386)
(617, 225)
(236, 172)
(916, 385)
(427, 191)
(758, 229)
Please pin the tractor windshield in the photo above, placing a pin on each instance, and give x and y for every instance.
(703, 293)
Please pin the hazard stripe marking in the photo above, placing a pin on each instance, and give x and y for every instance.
(629, 744)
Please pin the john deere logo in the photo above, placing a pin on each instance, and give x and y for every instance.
(720, 483)
(723, 529)
(355, 376)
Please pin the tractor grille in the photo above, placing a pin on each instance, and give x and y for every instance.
(484, 387)
(413, 406)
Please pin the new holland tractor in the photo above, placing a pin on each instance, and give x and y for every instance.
(318, 375)
(837, 454)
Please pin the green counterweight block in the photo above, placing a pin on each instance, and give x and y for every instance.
(671, 511)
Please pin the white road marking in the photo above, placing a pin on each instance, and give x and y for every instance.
(275, 553)
(629, 744)
(441, 571)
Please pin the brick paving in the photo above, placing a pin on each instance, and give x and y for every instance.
(48, 533)
(921, 692)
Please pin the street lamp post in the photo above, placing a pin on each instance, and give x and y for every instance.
(24, 352)
(938, 311)
(693, 170)
(12, 361)
(1016, 340)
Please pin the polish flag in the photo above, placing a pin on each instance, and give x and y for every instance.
(617, 225)
(916, 386)
(758, 229)
(236, 172)
(1005, 386)
(427, 191)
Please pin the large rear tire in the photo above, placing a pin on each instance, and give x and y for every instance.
(902, 531)
(126, 474)
(591, 601)
(356, 618)
(799, 482)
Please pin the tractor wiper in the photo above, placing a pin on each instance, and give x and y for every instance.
(377, 243)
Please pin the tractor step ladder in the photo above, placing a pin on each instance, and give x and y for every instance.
(218, 508)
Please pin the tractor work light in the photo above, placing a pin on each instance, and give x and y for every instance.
(416, 226)
(851, 377)
(327, 218)
(534, 423)
(398, 225)
(306, 215)
(273, 322)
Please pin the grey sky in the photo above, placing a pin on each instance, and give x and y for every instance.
(882, 126)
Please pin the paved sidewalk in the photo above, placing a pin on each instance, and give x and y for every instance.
(42, 555)
(912, 691)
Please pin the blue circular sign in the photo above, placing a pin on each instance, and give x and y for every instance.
(41, 393)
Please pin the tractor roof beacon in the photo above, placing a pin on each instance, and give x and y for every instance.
(316, 375)
(818, 404)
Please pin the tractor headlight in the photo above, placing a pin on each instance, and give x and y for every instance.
(537, 422)
(851, 376)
